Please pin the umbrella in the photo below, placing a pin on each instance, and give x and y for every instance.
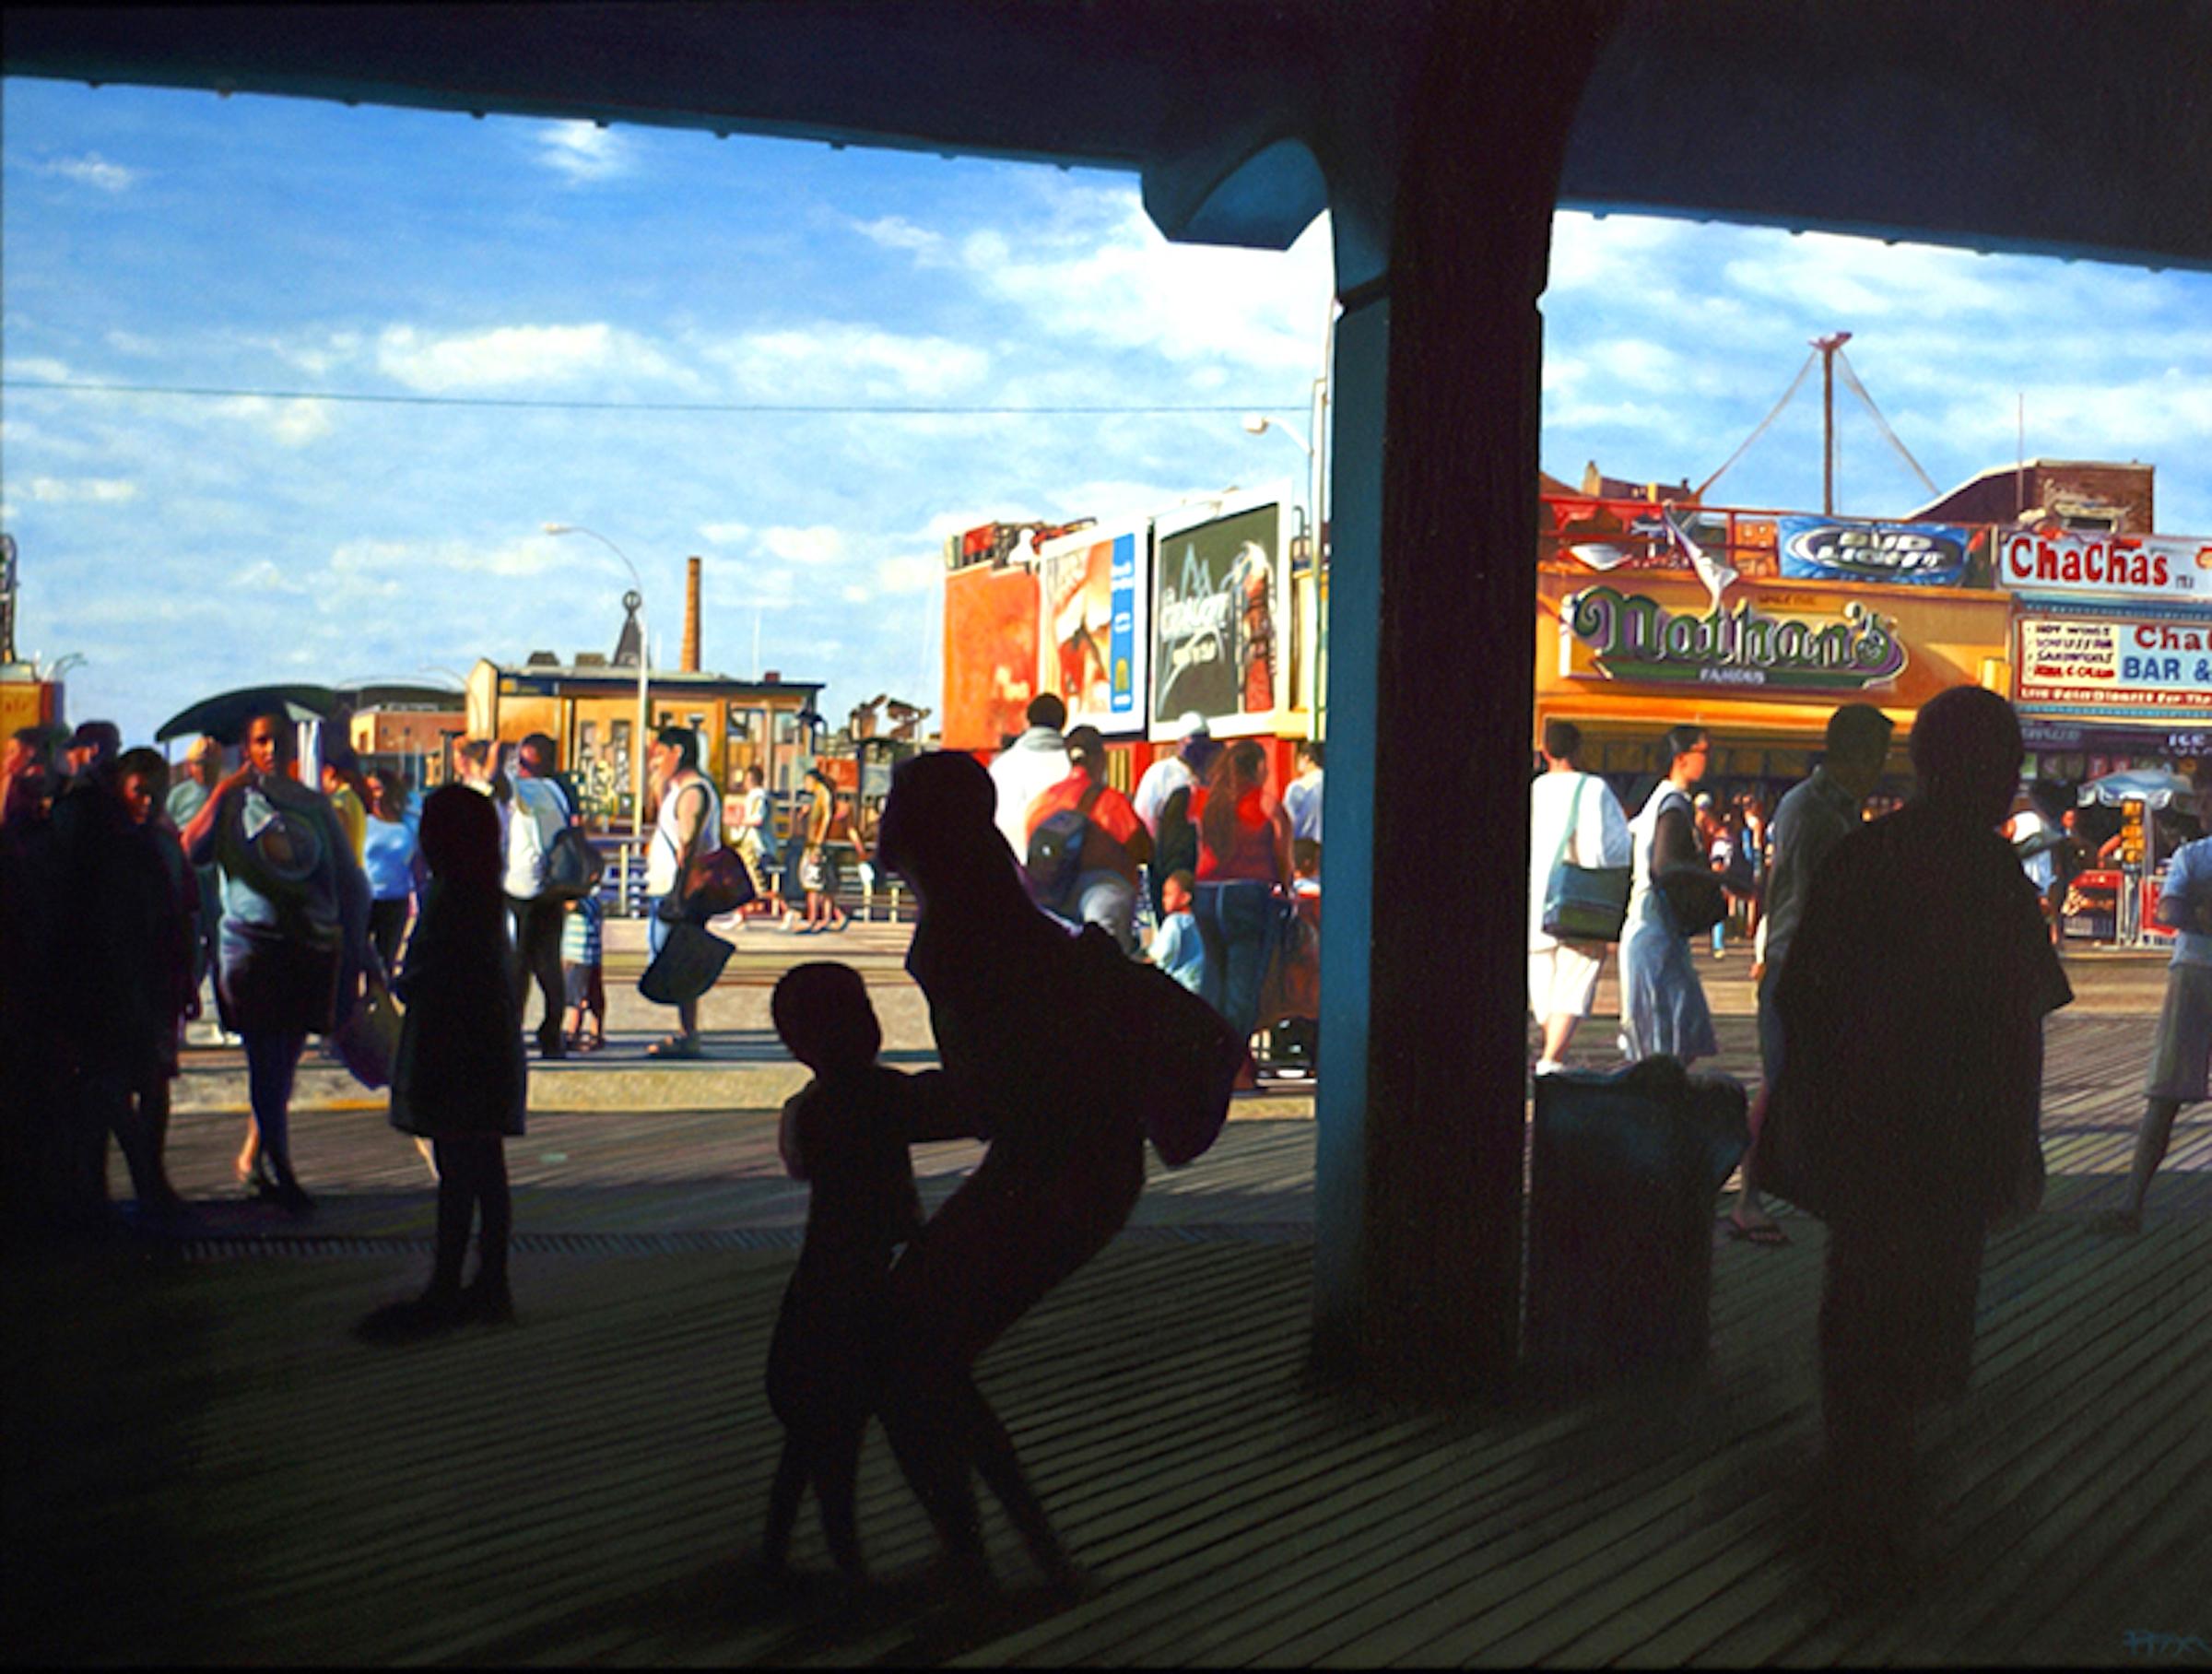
(223, 718)
(2151, 786)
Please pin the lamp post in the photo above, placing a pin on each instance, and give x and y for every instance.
(633, 600)
(1259, 424)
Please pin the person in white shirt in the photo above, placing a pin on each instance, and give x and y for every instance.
(1026, 768)
(2181, 1061)
(689, 825)
(539, 813)
(1566, 805)
(1301, 797)
(1172, 774)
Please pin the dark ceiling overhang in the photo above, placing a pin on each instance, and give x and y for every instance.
(2053, 126)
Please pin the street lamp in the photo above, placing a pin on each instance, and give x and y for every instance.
(635, 600)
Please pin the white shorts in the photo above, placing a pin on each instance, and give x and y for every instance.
(1562, 980)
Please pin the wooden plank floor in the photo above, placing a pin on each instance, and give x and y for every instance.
(203, 1467)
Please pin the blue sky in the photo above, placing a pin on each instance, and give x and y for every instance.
(185, 545)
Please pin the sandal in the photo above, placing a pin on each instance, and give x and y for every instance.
(590, 1043)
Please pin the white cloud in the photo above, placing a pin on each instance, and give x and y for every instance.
(292, 423)
(266, 577)
(854, 595)
(40, 369)
(426, 560)
(1825, 276)
(1588, 250)
(434, 362)
(818, 544)
(895, 233)
(65, 490)
(131, 343)
(823, 362)
(91, 169)
(725, 534)
(910, 574)
(582, 150)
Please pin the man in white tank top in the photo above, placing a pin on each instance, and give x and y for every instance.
(689, 825)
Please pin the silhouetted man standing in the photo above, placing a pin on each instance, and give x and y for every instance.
(1912, 1009)
(541, 812)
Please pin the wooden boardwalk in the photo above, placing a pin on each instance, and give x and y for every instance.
(203, 1467)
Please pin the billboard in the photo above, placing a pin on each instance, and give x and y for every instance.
(1096, 631)
(1841, 549)
(2094, 564)
(991, 662)
(2129, 667)
(1220, 615)
(1847, 646)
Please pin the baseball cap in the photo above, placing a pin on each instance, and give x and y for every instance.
(1192, 724)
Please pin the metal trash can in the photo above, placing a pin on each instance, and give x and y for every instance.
(1625, 1175)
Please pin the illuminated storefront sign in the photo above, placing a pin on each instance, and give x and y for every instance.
(1826, 549)
(2095, 564)
(1627, 637)
(2128, 667)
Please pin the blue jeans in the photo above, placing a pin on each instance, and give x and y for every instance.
(1238, 921)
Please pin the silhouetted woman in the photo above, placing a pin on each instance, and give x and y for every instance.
(1008, 1003)
(1244, 855)
(460, 1081)
(294, 935)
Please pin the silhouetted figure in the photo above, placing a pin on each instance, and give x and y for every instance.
(460, 1081)
(294, 939)
(846, 1136)
(1912, 1008)
(2181, 1058)
(1006, 991)
(32, 1082)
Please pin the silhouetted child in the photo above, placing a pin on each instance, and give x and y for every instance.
(459, 1079)
(846, 1136)
(582, 974)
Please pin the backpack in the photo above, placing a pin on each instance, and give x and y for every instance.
(1175, 1060)
(1055, 856)
(573, 866)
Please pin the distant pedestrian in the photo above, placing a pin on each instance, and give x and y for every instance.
(294, 941)
(1034, 763)
(1243, 867)
(689, 825)
(460, 1079)
(2181, 1060)
(752, 836)
(347, 790)
(1572, 816)
(188, 794)
(1301, 797)
(391, 856)
(1162, 800)
(540, 812)
(1114, 844)
(1663, 1006)
(846, 1136)
(1911, 1003)
(817, 865)
(1815, 815)
(583, 973)
(1177, 947)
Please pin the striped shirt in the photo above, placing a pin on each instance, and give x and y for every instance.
(580, 933)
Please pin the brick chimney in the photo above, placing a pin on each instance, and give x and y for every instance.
(690, 663)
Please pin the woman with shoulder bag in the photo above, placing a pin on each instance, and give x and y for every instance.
(1663, 1006)
(689, 825)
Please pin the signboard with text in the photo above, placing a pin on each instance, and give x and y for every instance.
(1841, 549)
(1607, 634)
(1220, 617)
(2137, 668)
(1097, 623)
(2093, 564)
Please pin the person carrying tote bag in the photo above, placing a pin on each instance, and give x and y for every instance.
(1578, 889)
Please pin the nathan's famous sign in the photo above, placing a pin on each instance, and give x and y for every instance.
(1631, 638)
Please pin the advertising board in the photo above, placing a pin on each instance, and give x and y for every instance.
(1847, 550)
(1096, 630)
(2128, 667)
(1220, 617)
(991, 662)
(1609, 634)
(2093, 564)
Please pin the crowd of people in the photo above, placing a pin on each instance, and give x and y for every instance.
(1905, 963)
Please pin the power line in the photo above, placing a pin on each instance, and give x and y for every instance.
(367, 398)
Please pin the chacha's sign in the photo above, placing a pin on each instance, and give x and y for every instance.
(1626, 637)
(1827, 549)
(2135, 667)
(2093, 564)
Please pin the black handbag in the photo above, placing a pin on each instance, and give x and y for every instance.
(1696, 901)
(573, 866)
(685, 967)
(1584, 903)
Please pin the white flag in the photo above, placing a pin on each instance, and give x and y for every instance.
(1714, 572)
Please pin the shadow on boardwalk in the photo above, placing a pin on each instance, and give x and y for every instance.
(201, 1468)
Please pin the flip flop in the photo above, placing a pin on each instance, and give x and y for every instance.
(1766, 1235)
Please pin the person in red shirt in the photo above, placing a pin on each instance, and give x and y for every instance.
(1115, 845)
(1243, 860)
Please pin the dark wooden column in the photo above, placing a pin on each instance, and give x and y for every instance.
(1431, 624)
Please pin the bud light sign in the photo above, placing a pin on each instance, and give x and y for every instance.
(1829, 549)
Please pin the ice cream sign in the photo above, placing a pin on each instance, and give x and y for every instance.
(2139, 667)
(2093, 563)
(1607, 634)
